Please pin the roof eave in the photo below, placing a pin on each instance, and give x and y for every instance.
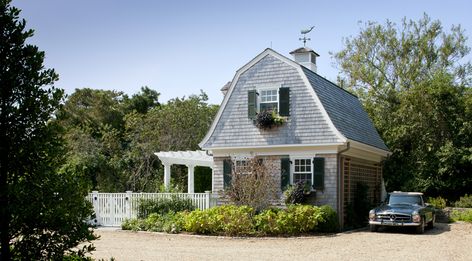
(370, 148)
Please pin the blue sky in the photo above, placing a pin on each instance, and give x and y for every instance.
(179, 47)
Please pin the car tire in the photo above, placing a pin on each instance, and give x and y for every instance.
(420, 228)
(373, 228)
(431, 223)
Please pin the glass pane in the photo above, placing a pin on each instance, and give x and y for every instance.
(268, 106)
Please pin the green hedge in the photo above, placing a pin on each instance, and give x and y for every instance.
(464, 202)
(233, 220)
(296, 219)
(224, 220)
(437, 202)
(163, 206)
(462, 215)
(170, 222)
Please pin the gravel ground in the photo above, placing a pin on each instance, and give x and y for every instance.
(444, 242)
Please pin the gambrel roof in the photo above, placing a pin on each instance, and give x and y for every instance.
(345, 111)
(339, 115)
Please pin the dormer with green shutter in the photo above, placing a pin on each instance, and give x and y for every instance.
(271, 97)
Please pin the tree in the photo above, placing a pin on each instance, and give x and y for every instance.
(415, 85)
(143, 101)
(180, 124)
(111, 138)
(42, 208)
(95, 136)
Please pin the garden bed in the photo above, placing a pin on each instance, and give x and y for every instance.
(230, 220)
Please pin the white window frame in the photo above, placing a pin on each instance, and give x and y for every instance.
(271, 87)
(292, 168)
(242, 159)
(241, 166)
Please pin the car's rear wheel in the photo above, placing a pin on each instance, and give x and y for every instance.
(373, 228)
(420, 228)
(431, 223)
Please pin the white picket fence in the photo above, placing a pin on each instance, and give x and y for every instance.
(111, 209)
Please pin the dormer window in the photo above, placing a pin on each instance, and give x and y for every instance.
(269, 100)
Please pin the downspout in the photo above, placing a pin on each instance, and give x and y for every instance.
(340, 188)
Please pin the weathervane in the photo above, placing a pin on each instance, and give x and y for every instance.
(304, 33)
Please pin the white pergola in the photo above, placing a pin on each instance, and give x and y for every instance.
(191, 159)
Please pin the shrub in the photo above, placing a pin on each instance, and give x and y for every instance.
(464, 202)
(163, 206)
(75, 257)
(295, 219)
(254, 185)
(295, 194)
(267, 222)
(438, 202)
(133, 224)
(462, 215)
(224, 220)
(170, 222)
(154, 222)
(174, 223)
(232, 220)
(329, 221)
(301, 219)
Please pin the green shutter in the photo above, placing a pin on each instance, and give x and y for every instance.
(318, 173)
(284, 101)
(251, 104)
(227, 169)
(284, 173)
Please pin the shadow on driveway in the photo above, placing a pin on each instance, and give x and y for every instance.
(438, 229)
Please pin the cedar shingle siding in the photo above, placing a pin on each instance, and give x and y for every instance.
(305, 125)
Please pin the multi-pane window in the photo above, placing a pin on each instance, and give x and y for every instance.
(302, 171)
(269, 100)
(241, 167)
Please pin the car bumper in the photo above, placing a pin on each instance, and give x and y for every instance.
(394, 224)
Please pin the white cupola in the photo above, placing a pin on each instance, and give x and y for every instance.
(306, 57)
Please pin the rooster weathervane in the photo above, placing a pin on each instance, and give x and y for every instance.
(304, 33)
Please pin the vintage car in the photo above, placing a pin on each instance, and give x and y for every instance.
(403, 209)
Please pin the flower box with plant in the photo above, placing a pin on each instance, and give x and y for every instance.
(269, 118)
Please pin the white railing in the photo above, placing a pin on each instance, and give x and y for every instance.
(111, 209)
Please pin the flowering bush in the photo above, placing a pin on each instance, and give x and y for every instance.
(269, 119)
(296, 194)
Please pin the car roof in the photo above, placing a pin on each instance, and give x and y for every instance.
(406, 193)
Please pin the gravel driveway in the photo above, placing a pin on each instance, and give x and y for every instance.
(444, 242)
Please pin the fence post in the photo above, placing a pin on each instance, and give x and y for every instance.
(95, 206)
(207, 199)
(128, 203)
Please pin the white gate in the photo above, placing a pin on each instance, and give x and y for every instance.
(111, 209)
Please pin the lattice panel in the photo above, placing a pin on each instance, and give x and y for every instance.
(369, 174)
